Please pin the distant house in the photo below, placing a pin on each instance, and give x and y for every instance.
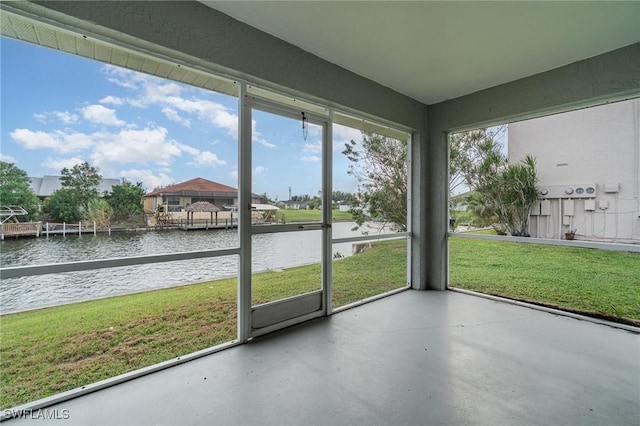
(588, 164)
(176, 198)
(45, 186)
(293, 205)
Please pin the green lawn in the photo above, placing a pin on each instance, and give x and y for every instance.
(595, 282)
(55, 349)
(308, 215)
(52, 350)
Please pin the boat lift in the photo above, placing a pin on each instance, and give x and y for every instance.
(8, 213)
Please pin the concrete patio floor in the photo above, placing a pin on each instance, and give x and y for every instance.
(415, 358)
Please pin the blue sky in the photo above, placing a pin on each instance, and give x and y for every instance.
(60, 109)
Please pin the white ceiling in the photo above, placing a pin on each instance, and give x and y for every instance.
(434, 51)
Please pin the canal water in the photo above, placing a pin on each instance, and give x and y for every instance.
(269, 251)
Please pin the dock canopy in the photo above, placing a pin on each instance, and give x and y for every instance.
(202, 206)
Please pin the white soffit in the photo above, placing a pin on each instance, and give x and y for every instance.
(36, 32)
(434, 51)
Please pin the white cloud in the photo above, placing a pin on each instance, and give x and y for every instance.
(343, 135)
(256, 136)
(101, 115)
(36, 140)
(57, 164)
(74, 141)
(314, 147)
(7, 158)
(201, 158)
(206, 110)
(156, 91)
(56, 140)
(111, 100)
(310, 158)
(259, 170)
(188, 149)
(226, 120)
(233, 174)
(64, 116)
(173, 115)
(120, 76)
(207, 158)
(346, 133)
(147, 177)
(135, 146)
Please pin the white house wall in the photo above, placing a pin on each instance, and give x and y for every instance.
(599, 146)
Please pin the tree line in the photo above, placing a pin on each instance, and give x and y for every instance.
(78, 199)
(315, 202)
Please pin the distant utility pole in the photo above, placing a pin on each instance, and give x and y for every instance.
(289, 193)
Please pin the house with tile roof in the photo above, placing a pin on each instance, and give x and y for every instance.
(176, 198)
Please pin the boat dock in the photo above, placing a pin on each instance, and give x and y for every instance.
(21, 229)
(10, 227)
(193, 224)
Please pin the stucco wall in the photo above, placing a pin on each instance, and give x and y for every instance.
(599, 145)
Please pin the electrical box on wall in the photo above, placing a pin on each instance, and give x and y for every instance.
(589, 205)
(611, 187)
(603, 204)
(587, 190)
(568, 206)
(535, 210)
(545, 208)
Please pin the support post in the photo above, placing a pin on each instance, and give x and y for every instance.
(244, 214)
(418, 203)
(430, 207)
(436, 210)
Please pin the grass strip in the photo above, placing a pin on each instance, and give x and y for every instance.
(294, 215)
